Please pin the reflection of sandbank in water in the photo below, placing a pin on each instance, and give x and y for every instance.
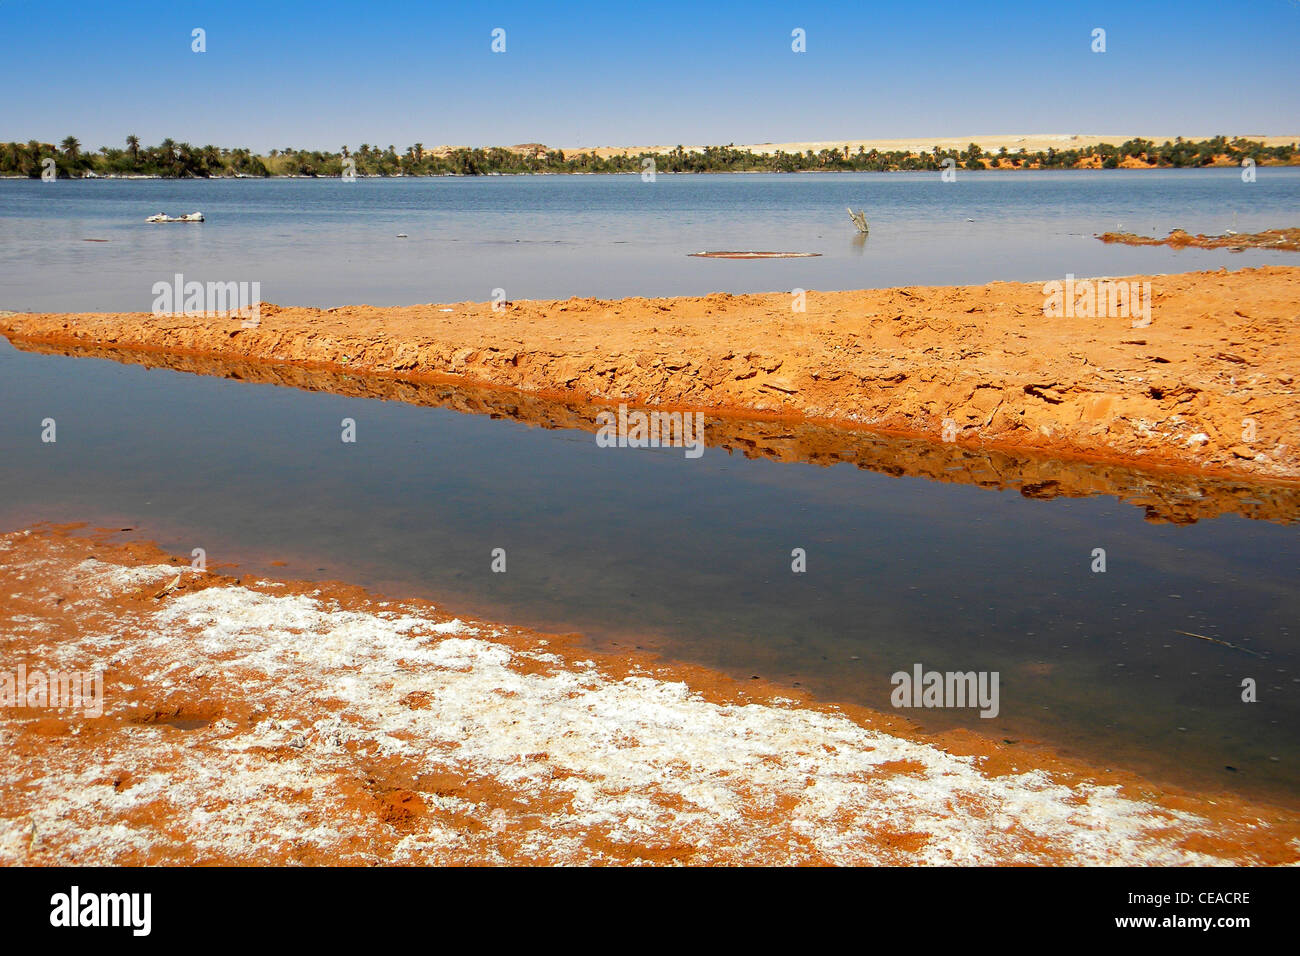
(656, 428)
(312, 723)
(1166, 495)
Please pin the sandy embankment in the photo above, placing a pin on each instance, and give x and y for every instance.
(1207, 387)
(259, 721)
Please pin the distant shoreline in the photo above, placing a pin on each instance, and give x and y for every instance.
(172, 160)
(706, 172)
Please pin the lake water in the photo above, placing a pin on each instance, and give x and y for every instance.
(691, 558)
(328, 243)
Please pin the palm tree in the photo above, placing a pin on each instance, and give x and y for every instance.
(184, 159)
(34, 151)
(15, 157)
(419, 151)
(133, 144)
(71, 146)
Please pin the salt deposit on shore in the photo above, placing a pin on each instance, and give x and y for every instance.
(255, 721)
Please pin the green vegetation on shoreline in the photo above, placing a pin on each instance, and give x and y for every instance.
(170, 159)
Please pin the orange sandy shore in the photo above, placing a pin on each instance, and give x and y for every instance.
(1208, 387)
(248, 720)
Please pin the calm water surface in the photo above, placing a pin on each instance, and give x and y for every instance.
(328, 243)
(692, 557)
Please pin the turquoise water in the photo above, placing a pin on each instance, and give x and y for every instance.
(328, 243)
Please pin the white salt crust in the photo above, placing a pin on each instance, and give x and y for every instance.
(639, 761)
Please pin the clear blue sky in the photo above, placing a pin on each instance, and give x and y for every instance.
(321, 74)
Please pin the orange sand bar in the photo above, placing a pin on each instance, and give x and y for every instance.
(1207, 387)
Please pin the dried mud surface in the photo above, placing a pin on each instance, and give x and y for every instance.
(1207, 388)
(256, 721)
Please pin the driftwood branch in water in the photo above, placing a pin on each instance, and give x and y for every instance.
(1215, 640)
